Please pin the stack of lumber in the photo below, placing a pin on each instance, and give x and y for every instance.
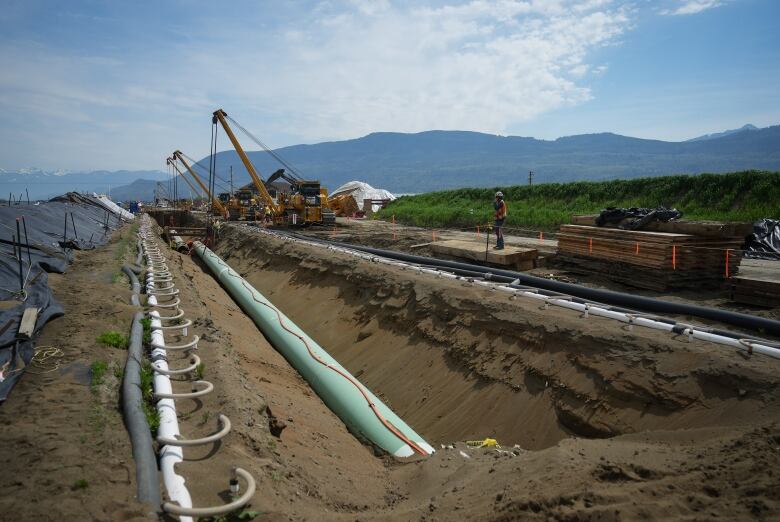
(653, 260)
(757, 284)
(755, 292)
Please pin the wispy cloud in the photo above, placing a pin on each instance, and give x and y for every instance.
(329, 71)
(689, 7)
(479, 65)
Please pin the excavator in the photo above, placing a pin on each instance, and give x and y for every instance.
(305, 204)
(217, 207)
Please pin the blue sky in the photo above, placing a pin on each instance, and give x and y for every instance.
(120, 85)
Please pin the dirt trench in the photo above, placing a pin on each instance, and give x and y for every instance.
(459, 362)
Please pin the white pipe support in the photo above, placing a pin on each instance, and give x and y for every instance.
(207, 388)
(163, 293)
(173, 317)
(194, 359)
(192, 345)
(170, 456)
(240, 502)
(222, 421)
(182, 327)
(175, 304)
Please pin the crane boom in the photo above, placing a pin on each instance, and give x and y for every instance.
(178, 155)
(220, 115)
(171, 162)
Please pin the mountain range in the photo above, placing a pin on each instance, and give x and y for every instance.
(435, 160)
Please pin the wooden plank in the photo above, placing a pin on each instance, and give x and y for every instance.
(475, 250)
(27, 324)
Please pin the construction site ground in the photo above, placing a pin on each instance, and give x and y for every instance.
(594, 421)
(416, 240)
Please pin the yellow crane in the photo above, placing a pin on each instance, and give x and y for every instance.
(177, 155)
(304, 207)
(195, 191)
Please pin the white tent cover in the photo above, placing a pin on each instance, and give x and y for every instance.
(360, 191)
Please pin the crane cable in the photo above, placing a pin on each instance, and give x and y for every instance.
(204, 169)
(278, 158)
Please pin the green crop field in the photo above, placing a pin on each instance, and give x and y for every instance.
(740, 196)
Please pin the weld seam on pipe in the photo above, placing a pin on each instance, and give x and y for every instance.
(147, 476)
(364, 414)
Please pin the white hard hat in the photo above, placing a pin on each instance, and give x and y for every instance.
(499, 194)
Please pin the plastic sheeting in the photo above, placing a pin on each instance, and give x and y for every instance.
(116, 209)
(360, 191)
(635, 218)
(764, 242)
(46, 247)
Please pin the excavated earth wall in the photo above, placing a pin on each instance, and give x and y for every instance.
(460, 362)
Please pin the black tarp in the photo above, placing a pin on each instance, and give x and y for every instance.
(48, 245)
(764, 242)
(635, 218)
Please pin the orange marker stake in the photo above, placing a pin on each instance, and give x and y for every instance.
(727, 263)
(674, 257)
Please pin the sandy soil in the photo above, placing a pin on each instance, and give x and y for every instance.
(595, 422)
(64, 451)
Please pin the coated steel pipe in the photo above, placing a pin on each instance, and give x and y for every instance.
(365, 415)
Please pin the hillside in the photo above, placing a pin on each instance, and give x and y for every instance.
(436, 160)
(741, 196)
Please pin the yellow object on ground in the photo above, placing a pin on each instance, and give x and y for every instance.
(487, 443)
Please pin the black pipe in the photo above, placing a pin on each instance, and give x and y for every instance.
(147, 476)
(646, 304)
(135, 285)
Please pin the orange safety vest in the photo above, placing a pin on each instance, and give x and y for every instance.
(501, 210)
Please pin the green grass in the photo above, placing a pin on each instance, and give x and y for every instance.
(740, 196)
(146, 322)
(147, 391)
(97, 374)
(113, 338)
(80, 484)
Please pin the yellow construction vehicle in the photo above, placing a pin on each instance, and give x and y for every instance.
(217, 207)
(305, 204)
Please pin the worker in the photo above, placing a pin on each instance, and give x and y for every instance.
(500, 216)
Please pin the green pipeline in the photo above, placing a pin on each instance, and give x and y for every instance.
(340, 391)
